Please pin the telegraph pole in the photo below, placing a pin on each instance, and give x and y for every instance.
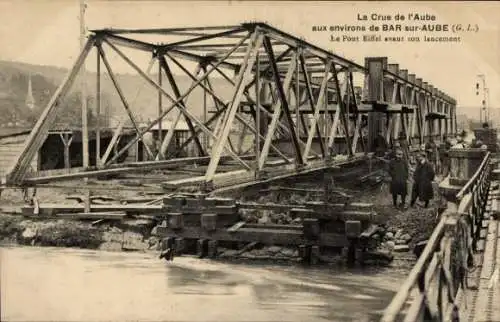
(83, 92)
(484, 111)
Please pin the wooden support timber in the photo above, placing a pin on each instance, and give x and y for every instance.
(297, 101)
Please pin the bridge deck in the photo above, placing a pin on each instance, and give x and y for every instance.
(481, 301)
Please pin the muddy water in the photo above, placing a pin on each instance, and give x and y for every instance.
(49, 284)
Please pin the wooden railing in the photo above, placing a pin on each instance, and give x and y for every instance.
(430, 291)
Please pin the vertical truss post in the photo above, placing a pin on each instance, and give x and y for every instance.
(297, 91)
(39, 133)
(442, 122)
(455, 128)
(342, 108)
(334, 128)
(317, 109)
(454, 120)
(347, 101)
(410, 99)
(160, 103)
(205, 115)
(395, 118)
(420, 111)
(375, 88)
(257, 114)
(389, 128)
(252, 52)
(85, 117)
(357, 122)
(284, 102)
(309, 93)
(432, 109)
(357, 131)
(326, 121)
(438, 108)
(447, 122)
(83, 96)
(275, 118)
(404, 120)
(427, 109)
(98, 111)
(453, 124)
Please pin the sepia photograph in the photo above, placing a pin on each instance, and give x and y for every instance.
(219, 161)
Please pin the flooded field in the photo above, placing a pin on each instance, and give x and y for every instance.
(53, 284)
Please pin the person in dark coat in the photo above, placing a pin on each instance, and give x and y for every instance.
(444, 155)
(398, 170)
(422, 181)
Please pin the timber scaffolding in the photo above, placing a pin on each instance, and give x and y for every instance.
(296, 103)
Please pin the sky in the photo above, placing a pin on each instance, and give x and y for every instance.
(46, 32)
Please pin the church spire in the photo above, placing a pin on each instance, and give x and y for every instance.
(30, 100)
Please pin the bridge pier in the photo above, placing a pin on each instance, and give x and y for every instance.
(463, 164)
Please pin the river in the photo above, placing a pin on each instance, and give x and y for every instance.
(54, 284)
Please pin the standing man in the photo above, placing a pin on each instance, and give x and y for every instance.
(460, 143)
(398, 170)
(444, 155)
(431, 149)
(422, 181)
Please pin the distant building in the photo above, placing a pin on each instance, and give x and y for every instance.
(181, 134)
(30, 100)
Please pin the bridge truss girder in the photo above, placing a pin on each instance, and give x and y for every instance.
(283, 89)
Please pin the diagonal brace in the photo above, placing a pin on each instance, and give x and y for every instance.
(121, 95)
(174, 104)
(282, 95)
(177, 94)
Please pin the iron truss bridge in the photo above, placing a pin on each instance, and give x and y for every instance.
(298, 105)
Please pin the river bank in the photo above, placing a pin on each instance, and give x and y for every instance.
(403, 230)
(137, 235)
(396, 239)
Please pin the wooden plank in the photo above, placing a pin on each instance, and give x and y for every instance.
(236, 227)
(220, 210)
(309, 207)
(199, 179)
(285, 172)
(274, 226)
(245, 175)
(93, 215)
(53, 209)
